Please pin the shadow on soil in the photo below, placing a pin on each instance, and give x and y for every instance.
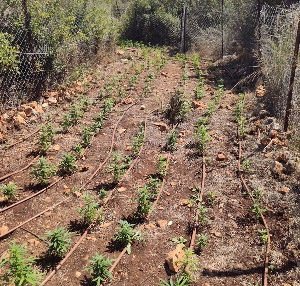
(238, 272)
(47, 262)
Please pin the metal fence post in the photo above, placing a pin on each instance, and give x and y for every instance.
(27, 26)
(222, 28)
(292, 81)
(183, 31)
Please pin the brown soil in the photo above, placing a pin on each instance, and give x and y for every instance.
(234, 254)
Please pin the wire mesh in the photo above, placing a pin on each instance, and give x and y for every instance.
(278, 28)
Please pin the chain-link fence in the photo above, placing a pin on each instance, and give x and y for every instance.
(278, 30)
(39, 36)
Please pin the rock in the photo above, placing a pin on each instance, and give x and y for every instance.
(121, 189)
(284, 190)
(105, 225)
(143, 107)
(197, 104)
(33, 104)
(273, 133)
(263, 113)
(77, 274)
(265, 141)
(22, 114)
(84, 168)
(162, 223)
(175, 259)
(290, 167)
(53, 94)
(184, 202)
(34, 242)
(170, 223)
(150, 226)
(52, 100)
(49, 213)
(128, 100)
(19, 120)
(221, 157)
(28, 111)
(92, 238)
(162, 126)
(120, 52)
(283, 157)
(122, 130)
(56, 147)
(260, 91)
(3, 230)
(278, 169)
(45, 104)
(216, 233)
(39, 109)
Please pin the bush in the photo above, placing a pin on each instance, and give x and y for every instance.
(8, 54)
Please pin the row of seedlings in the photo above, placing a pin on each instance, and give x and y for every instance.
(256, 196)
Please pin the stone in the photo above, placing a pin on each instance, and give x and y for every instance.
(56, 147)
(105, 225)
(175, 259)
(28, 111)
(34, 242)
(52, 100)
(22, 114)
(120, 52)
(33, 104)
(284, 190)
(3, 230)
(149, 226)
(273, 133)
(221, 157)
(122, 130)
(197, 104)
(128, 100)
(77, 274)
(290, 167)
(278, 169)
(162, 126)
(283, 157)
(84, 168)
(143, 107)
(265, 141)
(39, 109)
(19, 119)
(162, 223)
(45, 105)
(184, 202)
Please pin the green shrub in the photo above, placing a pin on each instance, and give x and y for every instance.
(43, 170)
(8, 54)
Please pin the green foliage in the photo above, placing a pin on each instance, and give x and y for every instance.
(258, 209)
(144, 202)
(8, 54)
(18, 266)
(152, 21)
(78, 149)
(9, 191)
(246, 165)
(162, 166)
(72, 117)
(87, 135)
(172, 140)
(263, 235)
(117, 167)
(202, 210)
(46, 136)
(138, 141)
(108, 104)
(99, 268)
(126, 234)
(202, 242)
(179, 107)
(59, 241)
(90, 212)
(43, 170)
(202, 137)
(180, 281)
(180, 241)
(68, 164)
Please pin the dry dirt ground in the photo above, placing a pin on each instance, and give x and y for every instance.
(234, 253)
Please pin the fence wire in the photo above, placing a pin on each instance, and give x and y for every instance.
(278, 29)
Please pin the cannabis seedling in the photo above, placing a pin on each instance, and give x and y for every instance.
(144, 202)
(172, 140)
(68, 164)
(162, 166)
(180, 241)
(90, 212)
(117, 168)
(201, 242)
(46, 136)
(59, 241)
(202, 137)
(99, 268)
(138, 141)
(180, 281)
(43, 171)
(19, 267)
(263, 235)
(126, 234)
(9, 191)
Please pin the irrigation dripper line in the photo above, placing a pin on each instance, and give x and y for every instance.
(117, 261)
(68, 255)
(30, 197)
(32, 218)
(20, 170)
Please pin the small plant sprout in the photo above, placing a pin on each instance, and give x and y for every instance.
(46, 136)
(263, 235)
(108, 104)
(258, 210)
(180, 281)
(199, 91)
(116, 167)
(86, 138)
(144, 202)
(202, 137)
(246, 165)
(162, 166)
(179, 107)
(99, 268)
(201, 242)
(78, 150)
(68, 164)
(59, 241)
(211, 197)
(202, 210)
(126, 234)
(19, 267)
(180, 241)
(153, 185)
(102, 194)
(138, 141)
(90, 212)
(9, 191)
(72, 117)
(172, 140)
(43, 170)
(190, 265)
